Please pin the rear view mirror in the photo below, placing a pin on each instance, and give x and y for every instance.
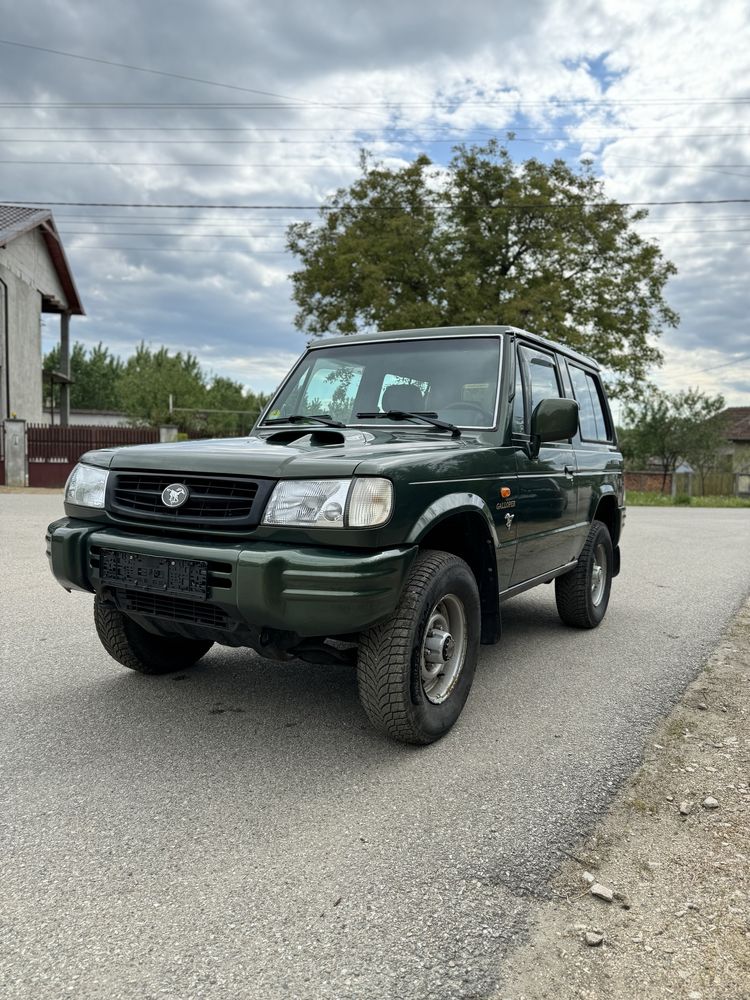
(554, 420)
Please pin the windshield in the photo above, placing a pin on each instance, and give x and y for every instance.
(455, 378)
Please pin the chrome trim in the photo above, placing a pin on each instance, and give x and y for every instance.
(498, 335)
(463, 479)
(544, 475)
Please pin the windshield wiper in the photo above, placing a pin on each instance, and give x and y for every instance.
(428, 418)
(300, 418)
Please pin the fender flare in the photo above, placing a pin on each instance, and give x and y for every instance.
(446, 506)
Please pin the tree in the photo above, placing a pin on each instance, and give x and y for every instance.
(151, 377)
(535, 245)
(704, 434)
(96, 376)
(141, 388)
(224, 394)
(669, 427)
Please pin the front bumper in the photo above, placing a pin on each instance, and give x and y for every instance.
(310, 591)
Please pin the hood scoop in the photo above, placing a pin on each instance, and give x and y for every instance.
(320, 437)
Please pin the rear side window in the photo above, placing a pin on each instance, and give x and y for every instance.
(588, 395)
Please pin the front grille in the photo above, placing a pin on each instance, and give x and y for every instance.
(218, 501)
(174, 609)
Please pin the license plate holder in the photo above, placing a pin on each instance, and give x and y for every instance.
(154, 574)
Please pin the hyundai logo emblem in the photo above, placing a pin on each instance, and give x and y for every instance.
(175, 495)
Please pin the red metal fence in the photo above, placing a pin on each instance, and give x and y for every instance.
(53, 451)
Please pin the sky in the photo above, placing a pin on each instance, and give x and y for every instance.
(268, 105)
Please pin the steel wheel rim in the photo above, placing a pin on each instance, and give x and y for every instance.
(598, 575)
(443, 649)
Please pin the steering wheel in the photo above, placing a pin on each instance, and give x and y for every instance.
(468, 405)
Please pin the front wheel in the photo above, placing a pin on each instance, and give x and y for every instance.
(582, 595)
(415, 670)
(137, 649)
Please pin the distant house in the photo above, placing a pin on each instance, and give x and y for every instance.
(738, 444)
(35, 278)
(88, 418)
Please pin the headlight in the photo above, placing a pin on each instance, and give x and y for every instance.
(331, 503)
(86, 486)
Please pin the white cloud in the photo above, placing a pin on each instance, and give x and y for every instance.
(661, 125)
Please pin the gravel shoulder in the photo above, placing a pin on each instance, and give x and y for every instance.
(674, 851)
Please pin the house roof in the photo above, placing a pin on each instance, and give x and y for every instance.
(738, 423)
(15, 220)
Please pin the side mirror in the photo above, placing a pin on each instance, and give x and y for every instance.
(553, 420)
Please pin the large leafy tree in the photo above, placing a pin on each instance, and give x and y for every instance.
(488, 241)
(685, 425)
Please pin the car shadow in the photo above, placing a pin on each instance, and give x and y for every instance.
(279, 714)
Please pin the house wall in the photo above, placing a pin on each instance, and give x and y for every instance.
(741, 456)
(28, 273)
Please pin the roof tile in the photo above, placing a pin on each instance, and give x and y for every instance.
(18, 219)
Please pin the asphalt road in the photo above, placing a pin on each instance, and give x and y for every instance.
(239, 832)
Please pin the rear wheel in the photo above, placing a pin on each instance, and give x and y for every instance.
(583, 594)
(137, 649)
(415, 670)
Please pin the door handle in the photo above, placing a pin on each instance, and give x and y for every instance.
(568, 472)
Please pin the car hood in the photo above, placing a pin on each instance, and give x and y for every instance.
(285, 454)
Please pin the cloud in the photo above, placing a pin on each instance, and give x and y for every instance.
(650, 92)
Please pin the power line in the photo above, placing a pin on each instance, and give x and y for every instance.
(176, 249)
(312, 164)
(192, 236)
(154, 72)
(270, 231)
(178, 163)
(625, 133)
(626, 129)
(416, 138)
(273, 221)
(725, 364)
(506, 102)
(319, 207)
(243, 142)
(296, 101)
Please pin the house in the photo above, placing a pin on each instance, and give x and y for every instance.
(738, 445)
(35, 278)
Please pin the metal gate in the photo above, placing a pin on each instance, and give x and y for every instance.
(53, 451)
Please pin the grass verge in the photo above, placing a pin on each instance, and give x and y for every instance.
(637, 498)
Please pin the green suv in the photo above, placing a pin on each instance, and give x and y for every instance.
(396, 490)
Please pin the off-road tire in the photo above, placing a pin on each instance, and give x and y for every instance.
(573, 590)
(134, 647)
(388, 664)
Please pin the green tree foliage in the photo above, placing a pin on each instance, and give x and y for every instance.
(141, 387)
(96, 376)
(686, 425)
(224, 394)
(489, 241)
(704, 441)
(150, 377)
